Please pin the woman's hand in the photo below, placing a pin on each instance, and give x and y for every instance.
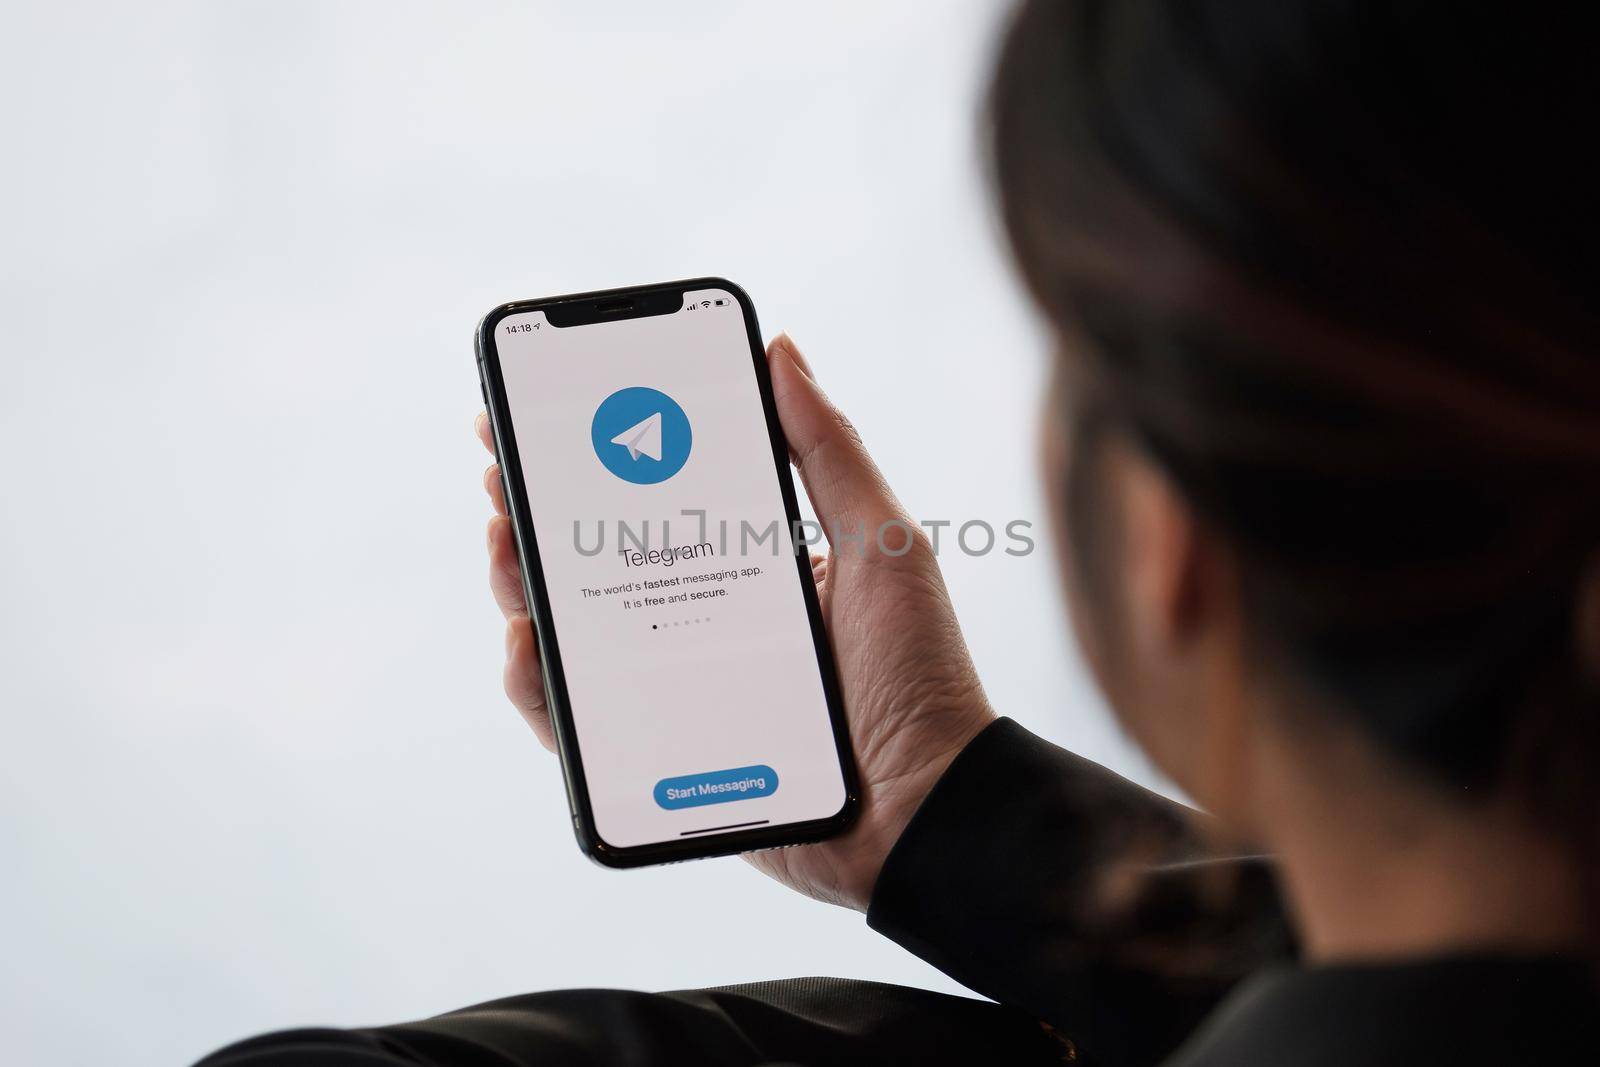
(910, 692)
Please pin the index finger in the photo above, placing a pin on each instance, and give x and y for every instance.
(484, 431)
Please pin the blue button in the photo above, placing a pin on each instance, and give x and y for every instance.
(717, 787)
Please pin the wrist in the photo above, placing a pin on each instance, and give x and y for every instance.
(890, 801)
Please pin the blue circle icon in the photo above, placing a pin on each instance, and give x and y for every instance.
(641, 435)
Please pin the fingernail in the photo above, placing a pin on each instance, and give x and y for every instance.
(795, 354)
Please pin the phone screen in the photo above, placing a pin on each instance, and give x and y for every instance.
(692, 672)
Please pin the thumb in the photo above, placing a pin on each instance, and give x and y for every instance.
(846, 488)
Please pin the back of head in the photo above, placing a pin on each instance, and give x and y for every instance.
(1330, 264)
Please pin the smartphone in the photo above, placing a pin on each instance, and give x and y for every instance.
(687, 671)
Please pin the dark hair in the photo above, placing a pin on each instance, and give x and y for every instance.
(1332, 267)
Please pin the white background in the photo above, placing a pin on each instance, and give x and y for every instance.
(256, 769)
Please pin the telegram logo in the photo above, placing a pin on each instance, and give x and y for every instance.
(641, 435)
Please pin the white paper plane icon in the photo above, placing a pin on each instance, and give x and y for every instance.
(642, 437)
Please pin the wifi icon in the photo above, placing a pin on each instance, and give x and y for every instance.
(705, 303)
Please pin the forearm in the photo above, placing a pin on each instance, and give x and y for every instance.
(1045, 881)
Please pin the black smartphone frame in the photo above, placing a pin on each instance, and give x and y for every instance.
(636, 301)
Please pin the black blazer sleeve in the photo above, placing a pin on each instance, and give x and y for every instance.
(1047, 882)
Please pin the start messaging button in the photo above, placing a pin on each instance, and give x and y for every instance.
(716, 787)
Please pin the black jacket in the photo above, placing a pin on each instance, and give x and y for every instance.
(1097, 916)
(1042, 880)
